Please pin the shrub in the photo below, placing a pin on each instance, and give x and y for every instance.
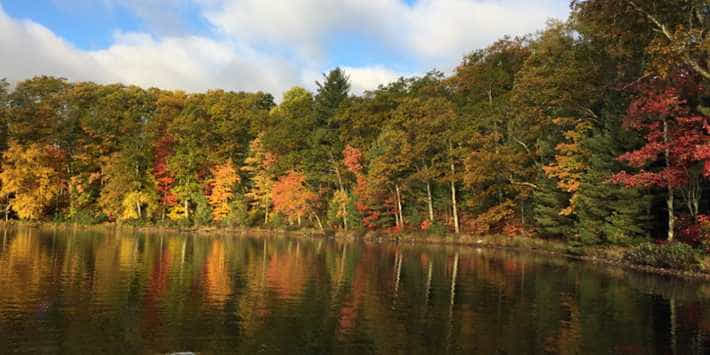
(494, 219)
(437, 229)
(669, 256)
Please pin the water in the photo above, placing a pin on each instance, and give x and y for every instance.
(79, 292)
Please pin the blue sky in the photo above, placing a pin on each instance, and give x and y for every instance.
(196, 45)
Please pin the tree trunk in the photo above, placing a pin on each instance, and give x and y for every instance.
(399, 206)
(138, 208)
(454, 275)
(430, 202)
(396, 214)
(398, 271)
(670, 197)
(428, 284)
(671, 217)
(453, 190)
(320, 225)
(692, 193)
(342, 189)
(266, 214)
(187, 210)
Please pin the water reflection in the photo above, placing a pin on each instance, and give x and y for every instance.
(80, 292)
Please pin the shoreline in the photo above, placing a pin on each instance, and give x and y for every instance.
(603, 255)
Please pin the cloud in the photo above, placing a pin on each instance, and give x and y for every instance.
(33, 50)
(368, 78)
(190, 63)
(193, 63)
(435, 31)
(271, 45)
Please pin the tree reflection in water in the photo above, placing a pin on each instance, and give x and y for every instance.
(82, 292)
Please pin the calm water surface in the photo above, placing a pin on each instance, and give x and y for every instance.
(90, 293)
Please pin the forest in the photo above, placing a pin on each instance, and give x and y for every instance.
(593, 130)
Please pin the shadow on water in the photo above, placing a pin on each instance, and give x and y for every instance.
(82, 292)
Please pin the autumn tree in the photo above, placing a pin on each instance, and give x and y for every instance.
(258, 165)
(223, 182)
(32, 178)
(557, 96)
(192, 133)
(673, 132)
(292, 197)
(495, 167)
(670, 32)
(4, 101)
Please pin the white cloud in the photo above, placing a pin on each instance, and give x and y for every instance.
(443, 29)
(435, 31)
(269, 45)
(30, 49)
(189, 63)
(368, 78)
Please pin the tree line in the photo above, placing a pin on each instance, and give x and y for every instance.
(594, 129)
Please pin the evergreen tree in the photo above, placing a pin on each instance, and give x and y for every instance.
(609, 212)
(547, 200)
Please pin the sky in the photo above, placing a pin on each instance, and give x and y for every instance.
(253, 45)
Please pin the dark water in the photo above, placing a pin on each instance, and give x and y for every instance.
(89, 293)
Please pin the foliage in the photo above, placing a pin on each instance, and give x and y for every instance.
(668, 256)
(224, 179)
(494, 219)
(607, 212)
(291, 196)
(31, 178)
(137, 205)
(670, 127)
(581, 131)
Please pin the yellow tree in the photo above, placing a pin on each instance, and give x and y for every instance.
(569, 165)
(224, 178)
(258, 165)
(30, 174)
(138, 204)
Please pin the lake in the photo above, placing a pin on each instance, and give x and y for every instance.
(82, 292)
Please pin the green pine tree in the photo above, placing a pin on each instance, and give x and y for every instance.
(608, 212)
(548, 202)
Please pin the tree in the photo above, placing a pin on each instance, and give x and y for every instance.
(673, 134)
(291, 196)
(258, 165)
(36, 112)
(671, 32)
(121, 178)
(223, 182)
(607, 212)
(137, 205)
(192, 133)
(4, 102)
(332, 94)
(31, 177)
(557, 97)
(494, 166)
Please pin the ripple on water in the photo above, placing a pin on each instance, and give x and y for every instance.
(93, 293)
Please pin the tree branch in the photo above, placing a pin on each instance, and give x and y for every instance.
(523, 183)
(664, 30)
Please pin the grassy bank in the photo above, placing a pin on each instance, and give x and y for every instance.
(659, 259)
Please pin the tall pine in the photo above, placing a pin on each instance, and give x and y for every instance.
(609, 212)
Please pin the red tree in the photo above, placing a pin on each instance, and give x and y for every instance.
(676, 149)
(161, 173)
